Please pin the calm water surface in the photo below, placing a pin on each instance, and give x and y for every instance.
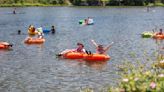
(34, 68)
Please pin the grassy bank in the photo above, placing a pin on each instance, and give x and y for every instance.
(140, 77)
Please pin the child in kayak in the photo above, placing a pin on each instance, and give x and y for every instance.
(100, 49)
(80, 49)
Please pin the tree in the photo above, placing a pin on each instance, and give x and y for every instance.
(76, 2)
(162, 1)
(92, 2)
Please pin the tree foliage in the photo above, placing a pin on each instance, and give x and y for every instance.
(85, 2)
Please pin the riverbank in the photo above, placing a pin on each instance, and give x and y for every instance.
(31, 5)
(138, 78)
(51, 5)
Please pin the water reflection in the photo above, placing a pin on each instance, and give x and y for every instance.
(97, 65)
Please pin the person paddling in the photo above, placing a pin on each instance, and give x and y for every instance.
(100, 49)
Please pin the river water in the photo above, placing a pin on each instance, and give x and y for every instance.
(35, 68)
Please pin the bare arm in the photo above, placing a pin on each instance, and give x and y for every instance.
(94, 43)
(108, 47)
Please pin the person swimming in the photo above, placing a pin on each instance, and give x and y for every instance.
(14, 11)
(19, 32)
(53, 30)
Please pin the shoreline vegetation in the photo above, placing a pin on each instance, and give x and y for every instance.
(138, 77)
(80, 3)
(51, 5)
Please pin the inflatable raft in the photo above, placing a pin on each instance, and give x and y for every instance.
(86, 57)
(96, 57)
(73, 55)
(5, 46)
(84, 23)
(35, 41)
(158, 36)
(147, 34)
(46, 31)
(81, 22)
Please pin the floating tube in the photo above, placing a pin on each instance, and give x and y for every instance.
(147, 34)
(158, 36)
(90, 23)
(96, 57)
(81, 22)
(4, 46)
(46, 31)
(35, 41)
(86, 57)
(73, 55)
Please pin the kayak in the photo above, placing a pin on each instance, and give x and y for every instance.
(2, 46)
(86, 57)
(147, 34)
(96, 57)
(35, 41)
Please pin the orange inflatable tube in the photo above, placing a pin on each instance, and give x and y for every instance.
(73, 55)
(34, 41)
(157, 36)
(2, 46)
(96, 57)
(86, 57)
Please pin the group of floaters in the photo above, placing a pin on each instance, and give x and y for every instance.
(88, 21)
(30, 40)
(40, 32)
(81, 53)
(33, 31)
(155, 35)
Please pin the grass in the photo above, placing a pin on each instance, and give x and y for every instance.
(138, 77)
